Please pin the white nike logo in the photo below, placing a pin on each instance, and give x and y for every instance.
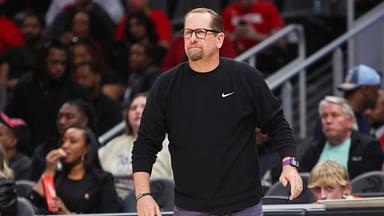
(223, 95)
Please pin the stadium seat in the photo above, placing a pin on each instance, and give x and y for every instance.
(24, 187)
(278, 194)
(370, 182)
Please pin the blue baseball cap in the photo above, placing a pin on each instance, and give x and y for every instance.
(361, 75)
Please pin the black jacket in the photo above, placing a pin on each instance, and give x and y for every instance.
(364, 155)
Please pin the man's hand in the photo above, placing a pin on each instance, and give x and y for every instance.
(147, 206)
(291, 175)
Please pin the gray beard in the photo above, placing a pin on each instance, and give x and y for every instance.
(195, 56)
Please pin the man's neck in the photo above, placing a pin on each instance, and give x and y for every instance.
(204, 66)
(340, 140)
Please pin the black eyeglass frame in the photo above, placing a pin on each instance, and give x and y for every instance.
(196, 32)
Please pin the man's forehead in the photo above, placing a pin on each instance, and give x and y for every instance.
(198, 20)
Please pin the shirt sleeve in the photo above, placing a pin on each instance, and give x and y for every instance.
(270, 117)
(152, 130)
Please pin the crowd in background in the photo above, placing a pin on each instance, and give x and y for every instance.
(73, 69)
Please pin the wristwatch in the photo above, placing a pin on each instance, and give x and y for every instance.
(291, 161)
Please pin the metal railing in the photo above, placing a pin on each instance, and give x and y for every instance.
(277, 79)
(285, 74)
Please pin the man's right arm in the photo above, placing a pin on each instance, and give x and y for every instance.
(145, 204)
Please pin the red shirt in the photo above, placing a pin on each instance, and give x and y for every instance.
(10, 34)
(263, 16)
(159, 19)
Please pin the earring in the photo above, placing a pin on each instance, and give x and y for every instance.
(82, 157)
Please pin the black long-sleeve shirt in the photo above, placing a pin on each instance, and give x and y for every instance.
(210, 119)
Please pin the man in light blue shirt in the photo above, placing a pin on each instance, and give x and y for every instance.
(359, 153)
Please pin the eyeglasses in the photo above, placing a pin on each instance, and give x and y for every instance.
(200, 33)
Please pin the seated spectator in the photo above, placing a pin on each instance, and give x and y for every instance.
(83, 25)
(357, 152)
(84, 50)
(158, 17)
(10, 34)
(247, 22)
(360, 89)
(376, 119)
(114, 8)
(140, 28)
(14, 132)
(115, 156)
(98, 20)
(81, 186)
(176, 52)
(329, 180)
(108, 114)
(142, 71)
(8, 196)
(18, 61)
(39, 95)
(72, 112)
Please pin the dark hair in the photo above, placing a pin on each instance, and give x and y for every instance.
(86, 109)
(91, 160)
(92, 48)
(148, 49)
(128, 128)
(92, 66)
(144, 20)
(41, 65)
(31, 13)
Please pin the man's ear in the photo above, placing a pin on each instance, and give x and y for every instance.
(220, 39)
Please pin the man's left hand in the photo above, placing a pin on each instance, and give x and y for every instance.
(291, 175)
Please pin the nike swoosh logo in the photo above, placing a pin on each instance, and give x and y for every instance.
(223, 95)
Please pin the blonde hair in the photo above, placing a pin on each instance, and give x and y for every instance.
(5, 171)
(328, 172)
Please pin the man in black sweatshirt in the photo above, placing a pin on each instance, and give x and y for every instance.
(210, 107)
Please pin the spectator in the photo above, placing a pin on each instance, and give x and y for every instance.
(376, 118)
(108, 113)
(38, 97)
(18, 61)
(81, 186)
(10, 34)
(114, 8)
(247, 22)
(158, 17)
(84, 50)
(143, 72)
(14, 133)
(99, 20)
(72, 112)
(5, 171)
(360, 89)
(357, 152)
(83, 25)
(115, 156)
(139, 27)
(8, 196)
(329, 180)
